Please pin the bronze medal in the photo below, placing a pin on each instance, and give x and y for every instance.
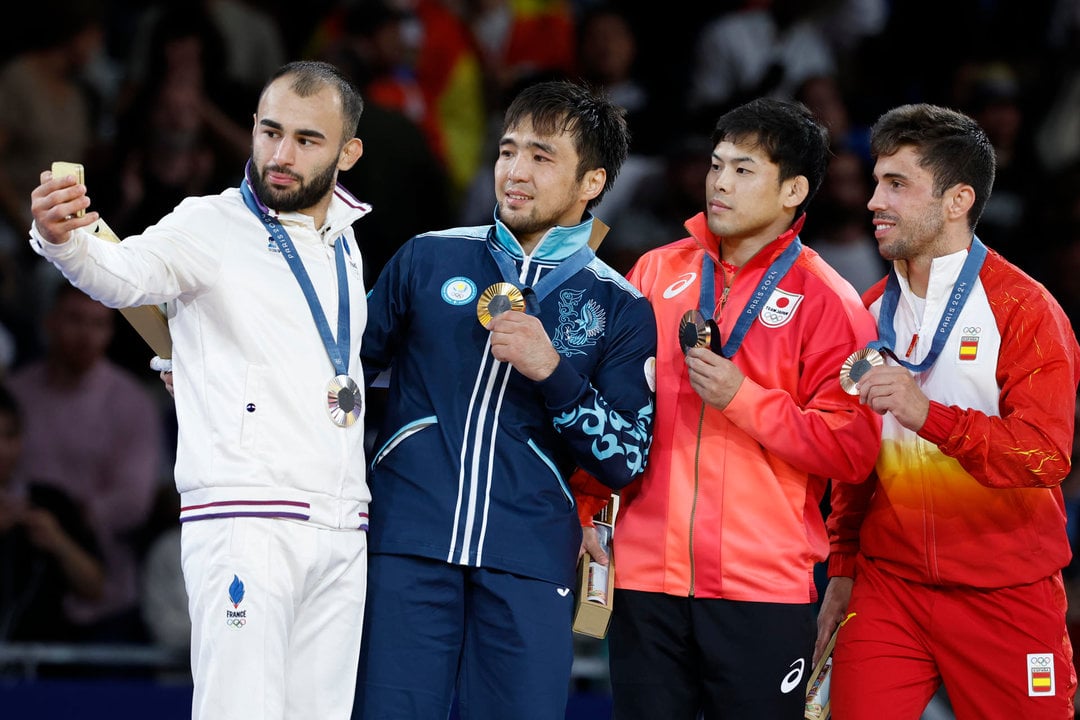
(343, 400)
(695, 330)
(857, 365)
(497, 299)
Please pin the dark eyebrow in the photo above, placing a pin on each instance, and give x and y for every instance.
(543, 147)
(740, 159)
(278, 126)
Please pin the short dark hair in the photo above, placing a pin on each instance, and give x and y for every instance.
(950, 145)
(788, 133)
(596, 125)
(310, 76)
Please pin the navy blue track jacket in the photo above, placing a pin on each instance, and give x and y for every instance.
(472, 462)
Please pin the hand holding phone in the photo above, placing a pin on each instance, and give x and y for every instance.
(63, 169)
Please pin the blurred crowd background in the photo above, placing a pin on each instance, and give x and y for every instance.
(156, 100)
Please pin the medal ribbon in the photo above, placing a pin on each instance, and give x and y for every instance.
(961, 290)
(543, 287)
(773, 275)
(337, 350)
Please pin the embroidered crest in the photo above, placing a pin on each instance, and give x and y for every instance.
(236, 618)
(779, 308)
(969, 343)
(458, 290)
(1040, 674)
(579, 325)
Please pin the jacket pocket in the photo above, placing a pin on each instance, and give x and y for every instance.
(554, 471)
(401, 435)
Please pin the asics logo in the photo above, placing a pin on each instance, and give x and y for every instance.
(794, 678)
(679, 285)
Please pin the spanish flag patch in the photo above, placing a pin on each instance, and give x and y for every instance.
(1040, 672)
(969, 347)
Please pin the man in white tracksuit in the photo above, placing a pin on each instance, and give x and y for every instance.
(266, 304)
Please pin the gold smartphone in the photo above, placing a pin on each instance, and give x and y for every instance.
(63, 169)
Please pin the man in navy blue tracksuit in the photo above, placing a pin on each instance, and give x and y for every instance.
(515, 356)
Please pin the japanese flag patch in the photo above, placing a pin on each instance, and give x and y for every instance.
(779, 308)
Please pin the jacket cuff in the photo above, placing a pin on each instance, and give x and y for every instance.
(746, 401)
(939, 424)
(563, 387)
(46, 249)
(841, 565)
(587, 508)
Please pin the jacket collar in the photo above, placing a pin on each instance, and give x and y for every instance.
(698, 227)
(556, 245)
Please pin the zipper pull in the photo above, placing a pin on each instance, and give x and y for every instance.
(911, 347)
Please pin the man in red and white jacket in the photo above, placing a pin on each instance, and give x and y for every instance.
(947, 565)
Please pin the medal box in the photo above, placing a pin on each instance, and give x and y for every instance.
(596, 589)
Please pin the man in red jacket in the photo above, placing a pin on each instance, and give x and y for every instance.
(715, 547)
(948, 563)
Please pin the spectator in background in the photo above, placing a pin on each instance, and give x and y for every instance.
(47, 550)
(659, 204)
(760, 48)
(607, 52)
(769, 47)
(92, 430)
(1058, 230)
(163, 597)
(447, 69)
(607, 57)
(182, 123)
(839, 229)
(990, 93)
(825, 98)
(47, 113)
(376, 49)
(253, 43)
(518, 39)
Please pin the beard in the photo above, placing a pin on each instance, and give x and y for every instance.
(918, 235)
(535, 220)
(520, 224)
(307, 194)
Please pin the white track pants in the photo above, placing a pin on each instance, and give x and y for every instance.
(276, 614)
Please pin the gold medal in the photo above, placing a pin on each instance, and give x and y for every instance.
(497, 299)
(343, 400)
(857, 365)
(695, 330)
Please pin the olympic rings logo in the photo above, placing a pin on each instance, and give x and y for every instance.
(1042, 660)
(235, 623)
(973, 330)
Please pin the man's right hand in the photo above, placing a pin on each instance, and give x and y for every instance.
(54, 204)
(833, 611)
